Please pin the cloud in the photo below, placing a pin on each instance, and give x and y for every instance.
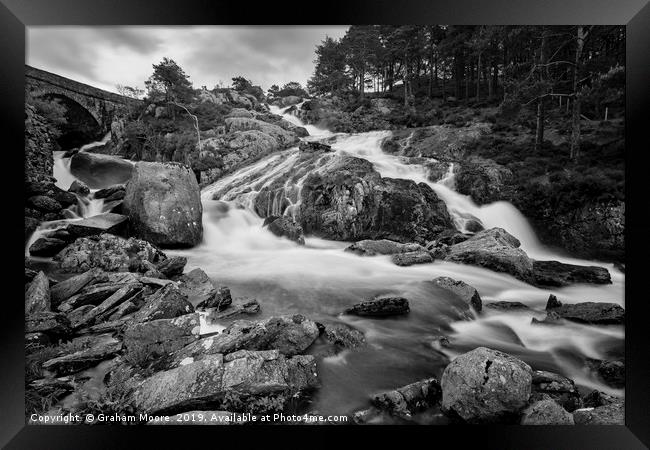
(106, 56)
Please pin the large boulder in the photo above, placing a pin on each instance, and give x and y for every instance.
(494, 249)
(46, 246)
(482, 179)
(100, 171)
(411, 258)
(546, 412)
(557, 274)
(172, 266)
(243, 374)
(201, 292)
(386, 306)
(349, 200)
(485, 385)
(108, 252)
(163, 204)
(467, 293)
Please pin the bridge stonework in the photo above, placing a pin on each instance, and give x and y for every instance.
(104, 106)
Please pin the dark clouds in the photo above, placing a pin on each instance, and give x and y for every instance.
(106, 56)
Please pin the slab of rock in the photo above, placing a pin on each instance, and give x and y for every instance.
(102, 223)
(557, 274)
(485, 385)
(67, 288)
(199, 290)
(387, 306)
(205, 383)
(290, 335)
(123, 294)
(37, 296)
(163, 204)
(166, 303)
(559, 388)
(506, 306)
(172, 266)
(157, 338)
(124, 309)
(46, 246)
(463, 290)
(611, 414)
(596, 313)
(409, 399)
(411, 258)
(107, 252)
(311, 147)
(382, 247)
(285, 227)
(90, 295)
(101, 350)
(546, 412)
(54, 325)
(494, 249)
(76, 316)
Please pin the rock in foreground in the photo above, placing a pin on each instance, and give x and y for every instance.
(387, 306)
(485, 385)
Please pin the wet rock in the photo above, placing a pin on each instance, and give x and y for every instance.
(596, 313)
(67, 288)
(410, 399)
(54, 388)
(31, 224)
(449, 237)
(112, 193)
(485, 385)
(283, 137)
(411, 258)
(482, 179)
(148, 341)
(173, 266)
(285, 227)
(611, 414)
(76, 315)
(108, 252)
(348, 200)
(46, 246)
(54, 325)
(168, 302)
(387, 306)
(343, 337)
(102, 349)
(557, 274)
(463, 290)
(506, 306)
(98, 170)
(37, 296)
(124, 309)
(311, 147)
(612, 372)
(546, 412)
(238, 306)
(559, 388)
(79, 187)
(494, 249)
(163, 204)
(474, 226)
(382, 247)
(205, 383)
(596, 398)
(103, 223)
(240, 112)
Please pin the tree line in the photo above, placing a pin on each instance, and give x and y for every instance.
(517, 66)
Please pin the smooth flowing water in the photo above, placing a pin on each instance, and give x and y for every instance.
(320, 280)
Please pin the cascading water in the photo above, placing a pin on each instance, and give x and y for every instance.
(320, 280)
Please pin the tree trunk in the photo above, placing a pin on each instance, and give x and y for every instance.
(539, 135)
(478, 78)
(468, 72)
(575, 116)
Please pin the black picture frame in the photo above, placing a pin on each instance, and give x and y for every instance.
(15, 15)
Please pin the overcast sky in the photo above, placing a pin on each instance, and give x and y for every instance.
(106, 56)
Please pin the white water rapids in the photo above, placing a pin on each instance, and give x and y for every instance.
(320, 280)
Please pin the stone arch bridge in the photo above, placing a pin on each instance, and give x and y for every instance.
(91, 110)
